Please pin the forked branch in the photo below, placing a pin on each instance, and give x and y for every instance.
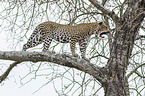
(6, 73)
(105, 11)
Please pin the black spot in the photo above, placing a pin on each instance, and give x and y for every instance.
(100, 23)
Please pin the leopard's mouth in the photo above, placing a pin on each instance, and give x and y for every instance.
(102, 33)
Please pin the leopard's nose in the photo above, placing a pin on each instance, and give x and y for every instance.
(108, 32)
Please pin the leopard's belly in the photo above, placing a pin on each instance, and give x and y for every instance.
(61, 37)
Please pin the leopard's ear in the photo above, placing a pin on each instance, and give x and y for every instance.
(100, 23)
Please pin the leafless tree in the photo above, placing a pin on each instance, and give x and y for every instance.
(116, 64)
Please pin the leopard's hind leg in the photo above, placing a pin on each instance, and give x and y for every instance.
(35, 39)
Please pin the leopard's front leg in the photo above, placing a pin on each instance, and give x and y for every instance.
(72, 46)
(83, 46)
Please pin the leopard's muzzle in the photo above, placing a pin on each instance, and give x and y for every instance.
(102, 33)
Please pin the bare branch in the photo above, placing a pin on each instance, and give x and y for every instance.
(140, 37)
(121, 7)
(88, 13)
(99, 55)
(135, 70)
(6, 73)
(60, 59)
(103, 2)
(142, 27)
(105, 11)
(140, 75)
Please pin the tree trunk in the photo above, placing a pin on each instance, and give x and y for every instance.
(116, 87)
(126, 30)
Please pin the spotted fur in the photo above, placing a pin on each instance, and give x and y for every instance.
(47, 31)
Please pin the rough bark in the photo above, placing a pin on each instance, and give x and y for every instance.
(127, 27)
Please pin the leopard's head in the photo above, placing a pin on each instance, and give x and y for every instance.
(103, 29)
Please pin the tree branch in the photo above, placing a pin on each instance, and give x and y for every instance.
(105, 11)
(60, 59)
(140, 37)
(134, 71)
(6, 73)
(88, 13)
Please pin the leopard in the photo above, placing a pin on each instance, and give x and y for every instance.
(47, 31)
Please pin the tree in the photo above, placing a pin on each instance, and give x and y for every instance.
(121, 52)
